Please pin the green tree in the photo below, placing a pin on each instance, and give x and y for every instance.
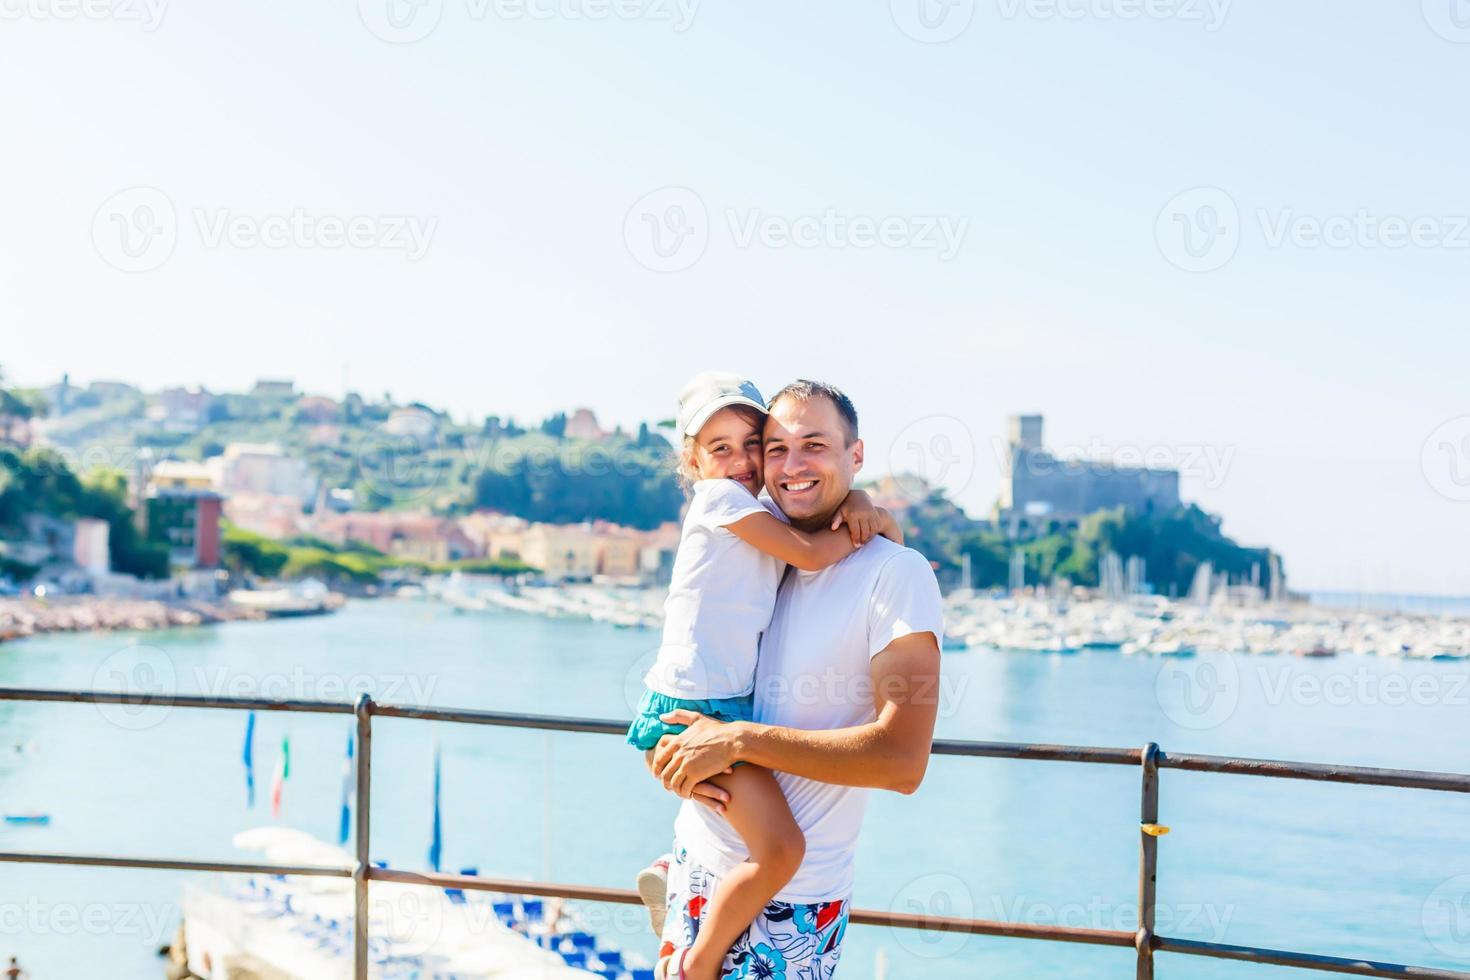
(245, 553)
(106, 495)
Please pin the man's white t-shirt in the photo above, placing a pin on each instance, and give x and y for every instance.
(720, 598)
(814, 673)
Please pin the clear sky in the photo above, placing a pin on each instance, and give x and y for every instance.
(957, 210)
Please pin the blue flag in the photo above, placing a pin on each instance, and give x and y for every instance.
(436, 845)
(247, 755)
(349, 779)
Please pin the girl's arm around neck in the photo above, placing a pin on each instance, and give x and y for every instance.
(810, 551)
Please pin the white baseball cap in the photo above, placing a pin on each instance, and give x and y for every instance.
(708, 392)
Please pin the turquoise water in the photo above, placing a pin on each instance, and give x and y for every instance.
(1322, 868)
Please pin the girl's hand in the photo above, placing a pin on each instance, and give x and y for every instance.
(863, 520)
(892, 530)
(711, 796)
(707, 793)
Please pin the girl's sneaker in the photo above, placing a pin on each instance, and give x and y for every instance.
(653, 888)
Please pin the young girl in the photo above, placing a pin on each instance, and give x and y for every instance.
(733, 551)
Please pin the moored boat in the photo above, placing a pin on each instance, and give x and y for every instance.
(29, 819)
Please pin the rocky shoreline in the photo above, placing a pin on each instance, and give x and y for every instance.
(22, 617)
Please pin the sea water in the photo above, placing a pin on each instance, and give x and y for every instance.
(1343, 870)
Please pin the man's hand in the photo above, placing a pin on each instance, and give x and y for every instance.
(685, 762)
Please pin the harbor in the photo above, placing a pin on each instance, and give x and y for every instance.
(1065, 621)
(1152, 626)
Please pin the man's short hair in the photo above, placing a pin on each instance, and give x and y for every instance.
(804, 391)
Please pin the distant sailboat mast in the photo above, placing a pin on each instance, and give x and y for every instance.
(1202, 585)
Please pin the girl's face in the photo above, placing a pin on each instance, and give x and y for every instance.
(729, 448)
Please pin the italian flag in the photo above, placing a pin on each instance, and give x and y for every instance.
(283, 772)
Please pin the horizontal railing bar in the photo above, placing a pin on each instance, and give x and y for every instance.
(590, 893)
(146, 699)
(1306, 961)
(1450, 782)
(867, 917)
(1038, 751)
(510, 886)
(503, 719)
(989, 927)
(1319, 772)
(166, 864)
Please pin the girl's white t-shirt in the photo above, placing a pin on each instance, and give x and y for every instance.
(720, 598)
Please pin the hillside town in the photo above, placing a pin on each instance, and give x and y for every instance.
(195, 520)
(277, 501)
(259, 488)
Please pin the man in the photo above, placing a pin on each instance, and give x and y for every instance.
(846, 695)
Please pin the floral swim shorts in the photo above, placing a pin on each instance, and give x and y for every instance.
(786, 942)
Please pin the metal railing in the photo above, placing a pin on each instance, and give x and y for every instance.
(1150, 759)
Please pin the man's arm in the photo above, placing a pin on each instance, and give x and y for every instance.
(891, 752)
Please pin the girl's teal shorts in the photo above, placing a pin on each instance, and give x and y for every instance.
(648, 727)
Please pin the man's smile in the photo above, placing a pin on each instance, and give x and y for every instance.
(798, 486)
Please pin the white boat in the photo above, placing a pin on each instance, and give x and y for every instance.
(305, 598)
(1170, 648)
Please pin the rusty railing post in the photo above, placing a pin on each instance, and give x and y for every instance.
(1148, 861)
(363, 710)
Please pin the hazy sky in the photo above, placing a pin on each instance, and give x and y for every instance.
(956, 211)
